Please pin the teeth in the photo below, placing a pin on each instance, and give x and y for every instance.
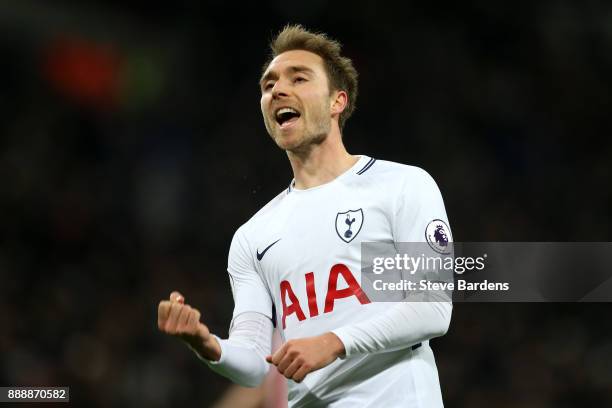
(286, 110)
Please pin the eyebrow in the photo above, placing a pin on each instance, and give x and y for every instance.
(293, 69)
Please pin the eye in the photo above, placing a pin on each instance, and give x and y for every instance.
(268, 85)
(299, 79)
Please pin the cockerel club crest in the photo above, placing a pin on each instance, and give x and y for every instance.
(348, 224)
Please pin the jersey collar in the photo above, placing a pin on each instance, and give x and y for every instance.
(360, 167)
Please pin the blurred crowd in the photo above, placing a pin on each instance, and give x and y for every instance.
(132, 147)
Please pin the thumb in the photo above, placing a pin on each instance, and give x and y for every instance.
(177, 297)
(269, 359)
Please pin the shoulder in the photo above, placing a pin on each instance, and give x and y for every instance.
(399, 176)
(262, 216)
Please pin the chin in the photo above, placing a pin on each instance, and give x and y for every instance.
(289, 141)
(287, 145)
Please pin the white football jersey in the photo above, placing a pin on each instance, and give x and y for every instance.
(298, 262)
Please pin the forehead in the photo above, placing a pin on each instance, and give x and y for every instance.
(295, 58)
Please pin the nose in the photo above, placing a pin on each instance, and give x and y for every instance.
(279, 90)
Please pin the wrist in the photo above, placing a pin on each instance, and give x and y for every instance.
(335, 344)
(208, 349)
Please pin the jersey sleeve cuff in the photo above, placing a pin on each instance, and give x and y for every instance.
(346, 339)
(221, 360)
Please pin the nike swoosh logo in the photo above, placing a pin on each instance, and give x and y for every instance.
(259, 256)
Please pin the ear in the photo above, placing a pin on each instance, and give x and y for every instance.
(339, 100)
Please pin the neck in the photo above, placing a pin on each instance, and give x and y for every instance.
(320, 163)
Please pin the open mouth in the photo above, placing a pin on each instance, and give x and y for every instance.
(286, 116)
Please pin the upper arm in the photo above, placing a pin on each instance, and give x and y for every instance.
(419, 206)
(248, 289)
(421, 230)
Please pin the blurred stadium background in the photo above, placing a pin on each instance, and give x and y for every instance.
(132, 147)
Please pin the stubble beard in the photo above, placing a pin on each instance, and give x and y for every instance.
(314, 133)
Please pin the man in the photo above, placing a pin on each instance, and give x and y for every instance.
(297, 261)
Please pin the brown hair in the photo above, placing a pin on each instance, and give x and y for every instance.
(340, 70)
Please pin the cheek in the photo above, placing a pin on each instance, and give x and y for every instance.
(263, 103)
(316, 101)
(319, 104)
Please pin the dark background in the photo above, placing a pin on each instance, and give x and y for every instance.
(132, 147)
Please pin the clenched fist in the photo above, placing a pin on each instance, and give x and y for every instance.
(298, 357)
(178, 319)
